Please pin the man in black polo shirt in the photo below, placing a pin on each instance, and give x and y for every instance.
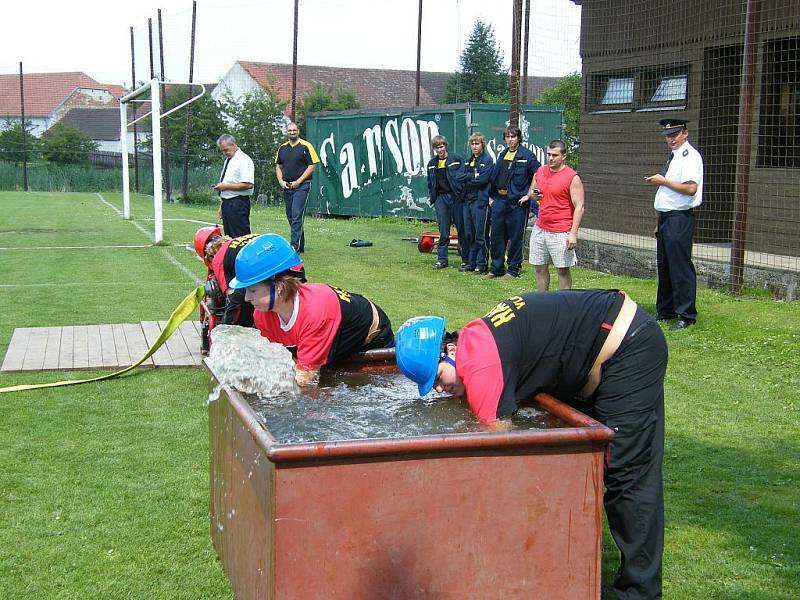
(294, 165)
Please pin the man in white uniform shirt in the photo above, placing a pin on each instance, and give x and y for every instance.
(235, 188)
(680, 191)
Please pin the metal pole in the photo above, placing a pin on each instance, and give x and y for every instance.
(22, 112)
(746, 93)
(419, 50)
(164, 129)
(150, 38)
(294, 59)
(514, 83)
(185, 183)
(525, 52)
(123, 142)
(135, 126)
(155, 118)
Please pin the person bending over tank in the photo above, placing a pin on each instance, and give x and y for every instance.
(319, 323)
(219, 253)
(557, 342)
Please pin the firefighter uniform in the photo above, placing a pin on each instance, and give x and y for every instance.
(548, 342)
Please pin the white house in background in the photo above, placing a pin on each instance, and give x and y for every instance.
(102, 125)
(48, 97)
(374, 88)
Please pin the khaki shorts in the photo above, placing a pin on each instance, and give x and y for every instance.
(547, 247)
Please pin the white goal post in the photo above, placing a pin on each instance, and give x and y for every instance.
(154, 87)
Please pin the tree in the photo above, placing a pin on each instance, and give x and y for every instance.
(11, 142)
(258, 126)
(321, 98)
(567, 93)
(67, 145)
(207, 125)
(482, 77)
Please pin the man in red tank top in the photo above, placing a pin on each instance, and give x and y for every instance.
(555, 234)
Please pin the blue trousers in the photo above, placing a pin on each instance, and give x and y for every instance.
(509, 220)
(475, 215)
(444, 218)
(295, 201)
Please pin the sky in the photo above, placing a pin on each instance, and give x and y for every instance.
(93, 36)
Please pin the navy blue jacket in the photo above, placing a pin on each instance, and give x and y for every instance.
(454, 165)
(478, 177)
(522, 171)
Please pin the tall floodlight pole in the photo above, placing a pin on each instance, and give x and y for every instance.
(294, 59)
(419, 50)
(525, 52)
(135, 126)
(163, 91)
(22, 114)
(514, 83)
(185, 183)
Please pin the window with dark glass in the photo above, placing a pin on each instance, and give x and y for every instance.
(779, 121)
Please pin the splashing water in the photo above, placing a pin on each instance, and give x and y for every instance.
(359, 406)
(245, 360)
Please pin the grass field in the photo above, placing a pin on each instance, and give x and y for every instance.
(104, 486)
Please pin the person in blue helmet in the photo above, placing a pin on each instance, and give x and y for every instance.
(318, 323)
(594, 349)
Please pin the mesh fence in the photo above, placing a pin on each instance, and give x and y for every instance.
(729, 67)
(732, 69)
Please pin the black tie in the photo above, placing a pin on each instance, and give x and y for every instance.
(663, 171)
(225, 168)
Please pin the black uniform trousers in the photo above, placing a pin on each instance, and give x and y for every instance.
(295, 204)
(236, 216)
(630, 400)
(677, 281)
(445, 207)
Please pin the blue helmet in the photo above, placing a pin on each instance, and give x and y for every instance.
(261, 258)
(418, 346)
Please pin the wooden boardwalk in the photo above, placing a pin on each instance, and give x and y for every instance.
(83, 347)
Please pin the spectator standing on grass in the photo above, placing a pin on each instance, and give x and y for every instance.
(555, 233)
(295, 162)
(476, 174)
(510, 189)
(680, 191)
(235, 187)
(445, 193)
(594, 349)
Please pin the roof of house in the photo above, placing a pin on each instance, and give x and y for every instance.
(45, 91)
(101, 124)
(374, 88)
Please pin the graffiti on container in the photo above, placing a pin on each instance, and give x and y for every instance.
(406, 142)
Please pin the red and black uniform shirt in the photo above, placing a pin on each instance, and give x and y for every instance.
(536, 342)
(222, 265)
(329, 324)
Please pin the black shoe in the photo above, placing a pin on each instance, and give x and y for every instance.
(465, 267)
(680, 324)
(440, 265)
(666, 317)
(479, 271)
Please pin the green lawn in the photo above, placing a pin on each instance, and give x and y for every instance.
(104, 486)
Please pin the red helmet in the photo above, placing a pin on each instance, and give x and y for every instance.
(202, 237)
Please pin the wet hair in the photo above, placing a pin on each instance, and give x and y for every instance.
(213, 246)
(553, 144)
(449, 337)
(438, 139)
(479, 137)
